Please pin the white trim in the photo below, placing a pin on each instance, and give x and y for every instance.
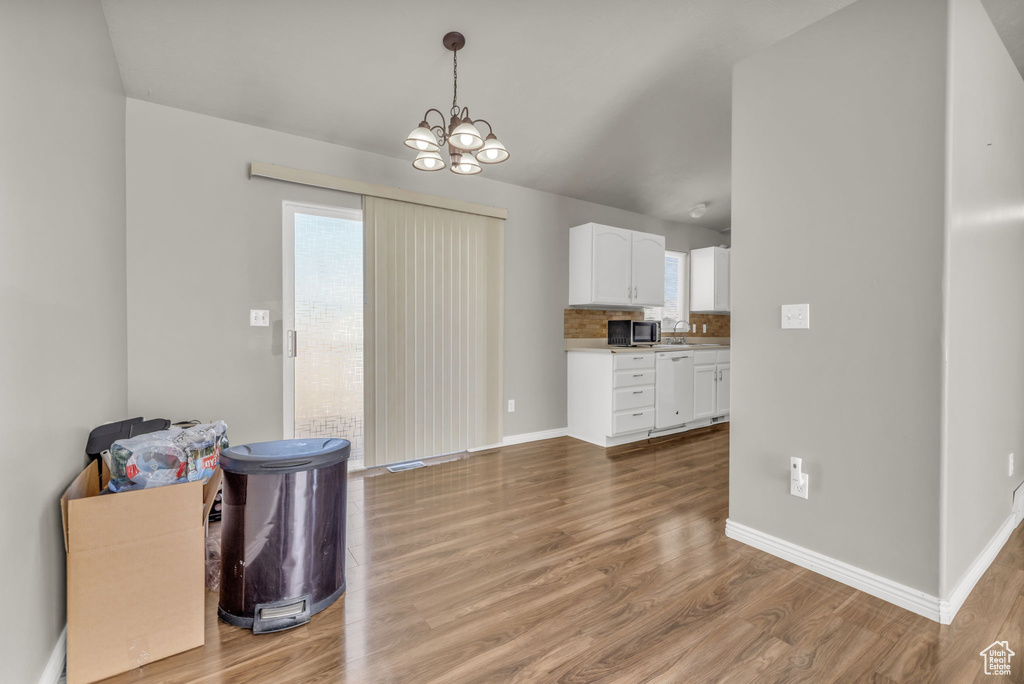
(901, 595)
(509, 440)
(948, 608)
(323, 180)
(54, 669)
(534, 436)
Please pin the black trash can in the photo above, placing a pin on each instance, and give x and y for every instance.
(283, 531)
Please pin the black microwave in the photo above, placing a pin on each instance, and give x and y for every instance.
(632, 333)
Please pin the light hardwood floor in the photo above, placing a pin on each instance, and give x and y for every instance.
(558, 561)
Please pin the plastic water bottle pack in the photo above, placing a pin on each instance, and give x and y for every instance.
(166, 457)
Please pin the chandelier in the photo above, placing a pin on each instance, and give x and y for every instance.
(467, 149)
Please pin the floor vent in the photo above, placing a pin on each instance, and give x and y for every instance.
(407, 466)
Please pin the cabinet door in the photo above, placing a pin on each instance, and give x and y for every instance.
(722, 398)
(702, 279)
(612, 267)
(705, 381)
(648, 269)
(722, 279)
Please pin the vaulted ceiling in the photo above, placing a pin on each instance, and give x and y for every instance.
(624, 103)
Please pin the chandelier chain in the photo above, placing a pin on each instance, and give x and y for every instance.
(455, 81)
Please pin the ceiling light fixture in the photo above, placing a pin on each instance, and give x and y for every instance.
(467, 148)
(698, 210)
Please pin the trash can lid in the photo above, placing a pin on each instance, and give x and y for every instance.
(284, 456)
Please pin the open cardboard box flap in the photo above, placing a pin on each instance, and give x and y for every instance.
(128, 506)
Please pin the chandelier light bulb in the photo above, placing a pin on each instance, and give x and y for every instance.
(428, 161)
(493, 152)
(467, 165)
(466, 137)
(422, 139)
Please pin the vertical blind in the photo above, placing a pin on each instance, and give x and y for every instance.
(433, 330)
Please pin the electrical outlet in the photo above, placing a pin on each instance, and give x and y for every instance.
(694, 328)
(796, 316)
(259, 317)
(799, 481)
(704, 328)
(511, 405)
(1011, 465)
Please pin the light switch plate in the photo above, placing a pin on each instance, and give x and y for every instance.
(259, 317)
(796, 316)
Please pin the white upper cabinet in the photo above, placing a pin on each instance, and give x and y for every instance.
(610, 273)
(615, 267)
(709, 280)
(648, 269)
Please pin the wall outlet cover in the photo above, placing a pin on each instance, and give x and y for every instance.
(511, 405)
(259, 317)
(796, 316)
(1011, 465)
(799, 481)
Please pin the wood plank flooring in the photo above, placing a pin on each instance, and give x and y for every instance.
(559, 561)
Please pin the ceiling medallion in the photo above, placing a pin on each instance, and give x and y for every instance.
(467, 149)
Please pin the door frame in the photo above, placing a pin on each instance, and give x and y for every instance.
(288, 211)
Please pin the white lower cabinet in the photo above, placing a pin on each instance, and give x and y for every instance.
(711, 384)
(632, 421)
(614, 397)
(722, 393)
(705, 384)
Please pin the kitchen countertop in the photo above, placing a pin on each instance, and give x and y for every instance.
(607, 349)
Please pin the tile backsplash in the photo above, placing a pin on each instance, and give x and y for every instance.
(593, 323)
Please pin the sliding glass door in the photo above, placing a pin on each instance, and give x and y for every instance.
(323, 339)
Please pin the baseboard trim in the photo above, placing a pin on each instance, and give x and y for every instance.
(535, 436)
(58, 657)
(948, 608)
(899, 594)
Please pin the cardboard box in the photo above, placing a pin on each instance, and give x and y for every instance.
(135, 573)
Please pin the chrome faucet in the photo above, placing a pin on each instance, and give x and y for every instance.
(675, 338)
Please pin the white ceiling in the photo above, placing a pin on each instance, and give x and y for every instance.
(625, 103)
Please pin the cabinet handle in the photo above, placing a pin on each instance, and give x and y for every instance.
(638, 358)
(638, 392)
(638, 414)
(635, 290)
(638, 375)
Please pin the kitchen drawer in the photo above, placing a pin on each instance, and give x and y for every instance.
(723, 356)
(632, 378)
(702, 358)
(630, 361)
(630, 398)
(633, 421)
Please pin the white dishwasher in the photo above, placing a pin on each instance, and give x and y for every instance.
(673, 389)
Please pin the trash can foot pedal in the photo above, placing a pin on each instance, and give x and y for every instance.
(279, 615)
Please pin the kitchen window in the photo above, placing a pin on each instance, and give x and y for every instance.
(677, 305)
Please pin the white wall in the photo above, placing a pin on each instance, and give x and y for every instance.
(204, 246)
(985, 311)
(838, 201)
(62, 291)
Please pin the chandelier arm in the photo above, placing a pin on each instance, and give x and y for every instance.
(433, 110)
(490, 130)
(441, 133)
